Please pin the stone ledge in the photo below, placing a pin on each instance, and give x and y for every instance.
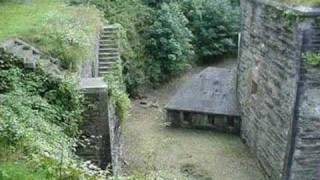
(93, 85)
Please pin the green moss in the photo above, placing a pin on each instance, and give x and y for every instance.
(312, 58)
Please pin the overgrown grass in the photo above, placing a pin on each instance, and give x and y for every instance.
(18, 19)
(65, 32)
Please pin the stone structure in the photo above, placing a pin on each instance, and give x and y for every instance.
(96, 126)
(109, 54)
(32, 57)
(207, 101)
(278, 91)
(101, 123)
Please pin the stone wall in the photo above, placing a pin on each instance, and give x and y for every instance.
(96, 135)
(101, 127)
(306, 139)
(267, 88)
(278, 92)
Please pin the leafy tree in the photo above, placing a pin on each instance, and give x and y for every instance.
(215, 24)
(169, 43)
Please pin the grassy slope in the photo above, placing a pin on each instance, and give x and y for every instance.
(65, 32)
(18, 19)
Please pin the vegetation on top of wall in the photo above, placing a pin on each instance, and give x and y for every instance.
(117, 91)
(62, 31)
(312, 58)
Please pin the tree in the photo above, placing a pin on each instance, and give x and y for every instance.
(169, 43)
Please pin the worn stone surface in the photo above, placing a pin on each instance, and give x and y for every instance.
(96, 127)
(306, 151)
(101, 126)
(212, 91)
(278, 93)
(115, 139)
(185, 119)
(267, 83)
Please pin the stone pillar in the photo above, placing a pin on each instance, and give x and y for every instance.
(96, 126)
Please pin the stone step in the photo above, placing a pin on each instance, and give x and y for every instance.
(108, 37)
(110, 28)
(109, 54)
(105, 68)
(107, 41)
(105, 46)
(103, 73)
(106, 33)
(106, 63)
(102, 50)
(112, 58)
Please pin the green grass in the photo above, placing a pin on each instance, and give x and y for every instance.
(19, 170)
(65, 32)
(18, 19)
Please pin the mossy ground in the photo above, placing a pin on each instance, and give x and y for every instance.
(153, 149)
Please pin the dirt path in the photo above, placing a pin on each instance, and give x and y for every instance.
(154, 150)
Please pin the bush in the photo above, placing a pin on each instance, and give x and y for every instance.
(312, 58)
(169, 44)
(117, 92)
(215, 25)
(39, 124)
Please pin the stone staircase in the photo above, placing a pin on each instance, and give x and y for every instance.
(108, 50)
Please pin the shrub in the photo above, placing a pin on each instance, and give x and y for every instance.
(39, 124)
(169, 43)
(117, 92)
(312, 58)
(215, 25)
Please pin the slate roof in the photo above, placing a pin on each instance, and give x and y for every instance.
(213, 91)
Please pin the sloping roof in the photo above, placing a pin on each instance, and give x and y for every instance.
(212, 91)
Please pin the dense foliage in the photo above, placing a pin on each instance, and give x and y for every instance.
(40, 117)
(215, 25)
(169, 43)
(157, 41)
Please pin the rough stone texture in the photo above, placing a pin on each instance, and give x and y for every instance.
(278, 94)
(88, 68)
(101, 126)
(96, 126)
(306, 152)
(115, 139)
(185, 119)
